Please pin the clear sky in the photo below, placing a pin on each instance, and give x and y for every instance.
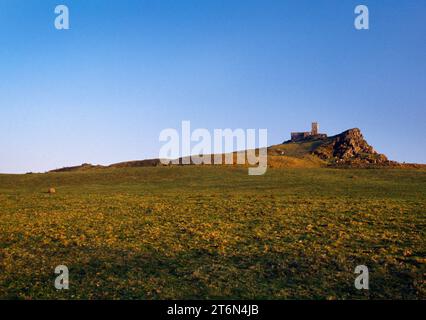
(102, 91)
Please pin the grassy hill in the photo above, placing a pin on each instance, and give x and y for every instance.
(347, 149)
(295, 155)
(214, 232)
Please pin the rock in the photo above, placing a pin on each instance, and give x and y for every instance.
(350, 147)
(51, 190)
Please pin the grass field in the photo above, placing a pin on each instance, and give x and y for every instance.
(214, 232)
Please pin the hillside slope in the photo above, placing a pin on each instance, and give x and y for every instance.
(348, 148)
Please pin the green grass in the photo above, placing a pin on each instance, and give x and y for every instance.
(299, 149)
(214, 232)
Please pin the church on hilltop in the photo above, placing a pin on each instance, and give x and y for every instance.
(298, 136)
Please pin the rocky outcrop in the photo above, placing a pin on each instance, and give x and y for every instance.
(350, 147)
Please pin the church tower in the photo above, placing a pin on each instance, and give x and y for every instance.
(314, 130)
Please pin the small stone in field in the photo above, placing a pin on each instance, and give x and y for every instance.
(51, 190)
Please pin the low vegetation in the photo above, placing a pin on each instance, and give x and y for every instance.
(214, 232)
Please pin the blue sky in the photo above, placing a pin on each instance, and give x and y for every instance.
(102, 91)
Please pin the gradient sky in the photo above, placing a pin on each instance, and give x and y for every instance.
(102, 91)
